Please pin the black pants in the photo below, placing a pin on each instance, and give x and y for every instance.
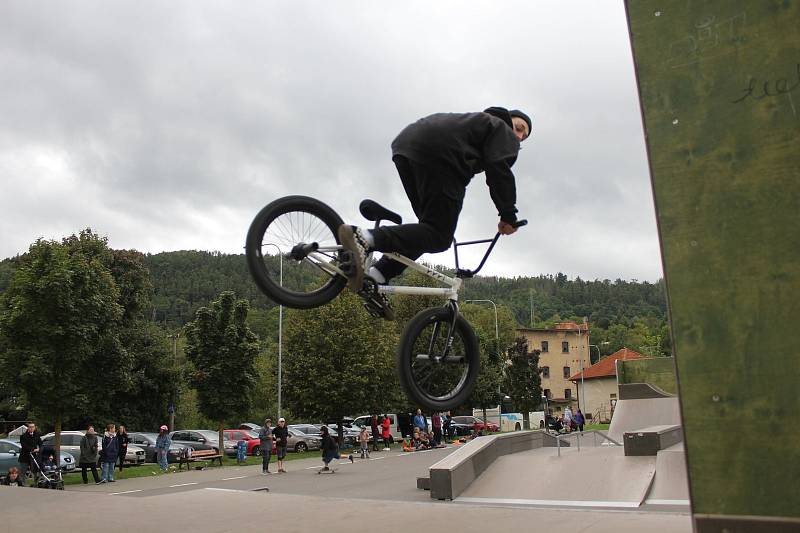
(265, 457)
(122, 453)
(436, 195)
(93, 467)
(437, 435)
(375, 438)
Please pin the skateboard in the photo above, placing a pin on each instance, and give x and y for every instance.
(329, 471)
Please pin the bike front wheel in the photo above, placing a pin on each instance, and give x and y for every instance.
(433, 378)
(280, 227)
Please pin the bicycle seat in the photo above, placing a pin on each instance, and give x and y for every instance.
(372, 210)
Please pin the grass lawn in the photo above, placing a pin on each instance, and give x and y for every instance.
(152, 469)
(602, 427)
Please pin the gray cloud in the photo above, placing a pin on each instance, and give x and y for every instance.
(168, 125)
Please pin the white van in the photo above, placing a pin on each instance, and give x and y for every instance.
(510, 421)
(394, 420)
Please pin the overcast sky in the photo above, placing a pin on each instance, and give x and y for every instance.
(168, 125)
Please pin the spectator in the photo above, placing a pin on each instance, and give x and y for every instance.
(567, 423)
(31, 443)
(579, 420)
(109, 454)
(376, 434)
(363, 438)
(281, 434)
(13, 479)
(123, 440)
(386, 427)
(436, 422)
(420, 422)
(447, 423)
(88, 457)
(163, 444)
(330, 450)
(265, 434)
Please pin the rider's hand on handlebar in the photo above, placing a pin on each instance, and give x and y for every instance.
(505, 228)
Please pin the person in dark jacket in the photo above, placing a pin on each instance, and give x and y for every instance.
(436, 158)
(109, 454)
(376, 434)
(122, 440)
(13, 479)
(88, 457)
(265, 435)
(330, 450)
(31, 443)
(281, 435)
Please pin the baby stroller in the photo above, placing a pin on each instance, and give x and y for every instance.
(46, 475)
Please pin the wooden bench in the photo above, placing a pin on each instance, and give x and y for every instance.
(199, 455)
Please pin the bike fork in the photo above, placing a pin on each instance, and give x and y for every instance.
(452, 305)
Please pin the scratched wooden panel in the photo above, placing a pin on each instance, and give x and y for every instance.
(719, 85)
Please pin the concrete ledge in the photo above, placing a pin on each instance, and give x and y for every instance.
(650, 440)
(424, 483)
(453, 474)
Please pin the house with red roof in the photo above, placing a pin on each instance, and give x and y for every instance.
(598, 385)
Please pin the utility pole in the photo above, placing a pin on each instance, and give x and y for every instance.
(530, 295)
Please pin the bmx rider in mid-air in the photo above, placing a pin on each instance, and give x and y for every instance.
(436, 158)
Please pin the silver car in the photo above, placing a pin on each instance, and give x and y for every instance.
(71, 442)
(301, 442)
(9, 456)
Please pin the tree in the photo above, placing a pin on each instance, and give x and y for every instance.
(523, 380)
(58, 320)
(337, 361)
(222, 349)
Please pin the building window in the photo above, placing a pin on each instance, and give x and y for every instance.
(546, 372)
(548, 394)
(566, 372)
(545, 346)
(567, 393)
(565, 347)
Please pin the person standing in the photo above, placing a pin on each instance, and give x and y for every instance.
(376, 434)
(265, 435)
(567, 419)
(420, 422)
(579, 420)
(109, 454)
(386, 427)
(163, 444)
(436, 422)
(363, 438)
(281, 434)
(31, 442)
(88, 457)
(123, 440)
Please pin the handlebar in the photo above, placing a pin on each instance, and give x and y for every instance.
(465, 273)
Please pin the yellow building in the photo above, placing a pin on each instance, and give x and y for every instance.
(564, 352)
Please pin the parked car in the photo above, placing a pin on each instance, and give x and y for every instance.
(301, 442)
(308, 429)
(147, 442)
(251, 437)
(203, 439)
(476, 423)
(400, 424)
(350, 434)
(71, 442)
(251, 426)
(9, 456)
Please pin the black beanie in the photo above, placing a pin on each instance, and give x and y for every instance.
(523, 116)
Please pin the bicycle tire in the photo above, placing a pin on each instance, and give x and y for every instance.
(406, 357)
(272, 288)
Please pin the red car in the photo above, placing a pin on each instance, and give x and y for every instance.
(476, 423)
(249, 436)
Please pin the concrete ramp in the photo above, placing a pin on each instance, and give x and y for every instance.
(593, 477)
(670, 486)
(631, 415)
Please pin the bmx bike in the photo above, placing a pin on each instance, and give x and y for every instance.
(438, 357)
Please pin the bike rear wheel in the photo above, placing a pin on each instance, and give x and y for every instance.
(430, 379)
(275, 231)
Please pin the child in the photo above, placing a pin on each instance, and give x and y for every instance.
(363, 438)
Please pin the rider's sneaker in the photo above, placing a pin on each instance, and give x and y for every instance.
(352, 239)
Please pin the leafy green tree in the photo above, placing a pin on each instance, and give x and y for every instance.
(338, 361)
(222, 349)
(59, 320)
(523, 380)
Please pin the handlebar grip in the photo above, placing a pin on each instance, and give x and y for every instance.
(520, 223)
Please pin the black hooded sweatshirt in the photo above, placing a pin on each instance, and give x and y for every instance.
(467, 144)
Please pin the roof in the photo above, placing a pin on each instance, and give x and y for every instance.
(561, 326)
(607, 366)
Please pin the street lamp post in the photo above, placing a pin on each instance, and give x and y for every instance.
(280, 328)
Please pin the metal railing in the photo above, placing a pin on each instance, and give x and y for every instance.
(578, 434)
